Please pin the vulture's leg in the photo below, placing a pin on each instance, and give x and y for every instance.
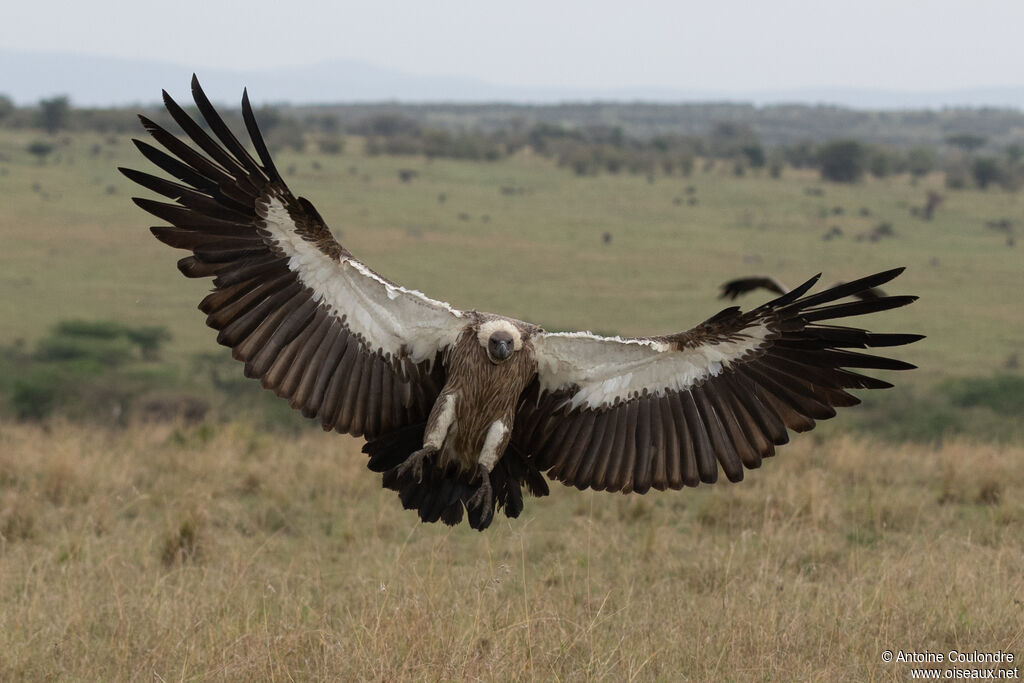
(440, 420)
(494, 446)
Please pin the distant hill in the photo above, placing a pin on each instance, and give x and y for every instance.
(106, 81)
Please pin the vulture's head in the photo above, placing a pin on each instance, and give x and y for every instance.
(500, 339)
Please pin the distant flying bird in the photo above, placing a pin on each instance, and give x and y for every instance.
(735, 288)
(463, 409)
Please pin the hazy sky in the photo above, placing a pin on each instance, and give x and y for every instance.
(715, 44)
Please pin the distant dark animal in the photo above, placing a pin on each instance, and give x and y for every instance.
(462, 409)
(879, 232)
(1002, 225)
(734, 288)
(407, 175)
(884, 229)
(606, 238)
(833, 232)
(932, 201)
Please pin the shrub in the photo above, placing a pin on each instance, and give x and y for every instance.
(102, 329)
(843, 161)
(54, 113)
(920, 161)
(332, 145)
(107, 352)
(800, 155)
(976, 407)
(1003, 394)
(33, 398)
(730, 139)
(7, 106)
(986, 171)
(149, 340)
(881, 162)
(39, 149)
(387, 125)
(87, 369)
(968, 142)
(755, 155)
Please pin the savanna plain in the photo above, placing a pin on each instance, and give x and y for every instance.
(220, 549)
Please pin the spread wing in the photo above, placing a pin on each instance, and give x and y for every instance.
(735, 288)
(313, 323)
(663, 412)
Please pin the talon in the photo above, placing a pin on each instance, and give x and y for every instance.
(414, 463)
(483, 496)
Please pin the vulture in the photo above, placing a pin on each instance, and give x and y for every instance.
(463, 410)
(735, 288)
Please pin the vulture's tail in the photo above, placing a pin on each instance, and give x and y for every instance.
(443, 494)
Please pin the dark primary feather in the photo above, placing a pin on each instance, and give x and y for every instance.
(268, 318)
(733, 420)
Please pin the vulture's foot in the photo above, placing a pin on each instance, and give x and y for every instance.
(483, 496)
(414, 463)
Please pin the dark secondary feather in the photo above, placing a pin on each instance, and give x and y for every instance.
(263, 312)
(729, 421)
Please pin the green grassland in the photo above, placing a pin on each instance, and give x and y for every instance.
(221, 552)
(78, 248)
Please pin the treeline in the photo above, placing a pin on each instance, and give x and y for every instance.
(967, 157)
(594, 149)
(776, 125)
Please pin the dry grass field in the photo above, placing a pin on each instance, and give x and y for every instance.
(219, 552)
(172, 553)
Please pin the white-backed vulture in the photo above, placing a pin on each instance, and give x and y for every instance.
(461, 409)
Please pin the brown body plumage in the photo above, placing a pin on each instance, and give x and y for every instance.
(483, 392)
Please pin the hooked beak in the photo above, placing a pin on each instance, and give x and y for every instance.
(501, 349)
